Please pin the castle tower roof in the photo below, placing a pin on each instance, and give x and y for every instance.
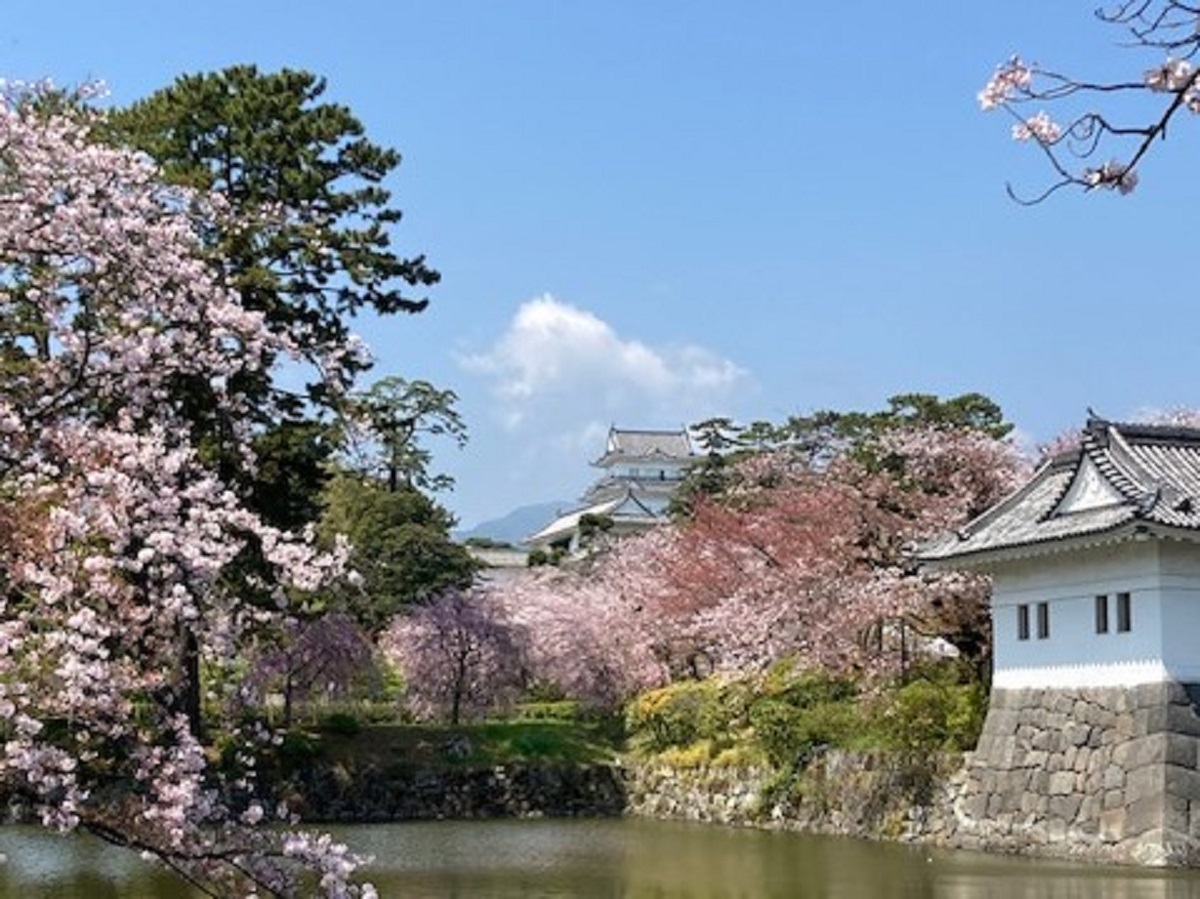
(1124, 481)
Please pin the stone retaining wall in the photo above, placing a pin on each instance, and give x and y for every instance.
(331, 793)
(1109, 774)
(1106, 774)
(873, 795)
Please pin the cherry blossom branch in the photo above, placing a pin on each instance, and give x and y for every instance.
(1153, 24)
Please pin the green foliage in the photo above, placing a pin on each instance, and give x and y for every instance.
(292, 458)
(297, 748)
(399, 413)
(487, 543)
(559, 710)
(539, 557)
(401, 547)
(308, 244)
(788, 734)
(268, 141)
(932, 714)
(593, 529)
(795, 713)
(819, 437)
(470, 745)
(685, 712)
(784, 716)
(342, 723)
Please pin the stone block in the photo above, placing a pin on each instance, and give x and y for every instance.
(1150, 720)
(975, 806)
(1005, 700)
(1083, 759)
(1040, 782)
(1077, 733)
(1062, 783)
(1003, 753)
(1117, 699)
(1144, 815)
(1062, 703)
(1114, 799)
(995, 805)
(1181, 749)
(1112, 825)
(1182, 783)
(1145, 696)
(1142, 751)
(1029, 803)
(1175, 813)
(1090, 807)
(1194, 820)
(1065, 808)
(1056, 831)
(1182, 719)
(1143, 783)
(1123, 727)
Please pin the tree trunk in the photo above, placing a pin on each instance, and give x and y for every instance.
(189, 701)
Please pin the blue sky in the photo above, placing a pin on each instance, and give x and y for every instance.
(647, 213)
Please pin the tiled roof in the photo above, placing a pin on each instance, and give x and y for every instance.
(623, 444)
(606, 488)
(623, 508)
(1122, 477)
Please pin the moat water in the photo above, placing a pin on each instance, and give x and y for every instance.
(613, 859)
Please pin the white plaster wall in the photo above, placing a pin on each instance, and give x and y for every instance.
(1074, 655)
(1179, 568)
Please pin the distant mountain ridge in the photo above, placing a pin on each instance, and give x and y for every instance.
(516, 525)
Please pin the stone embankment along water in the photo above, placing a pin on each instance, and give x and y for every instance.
(874, 795)
(1107, 774)
(1104, 773)
(328, 793)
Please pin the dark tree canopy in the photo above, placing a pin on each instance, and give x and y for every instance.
(401, 546)
(305, 171)
(293, 468)
(396, 415)
(311, 248)
(819, 437)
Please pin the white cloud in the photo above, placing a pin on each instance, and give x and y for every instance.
(559, 363)
(551, 386)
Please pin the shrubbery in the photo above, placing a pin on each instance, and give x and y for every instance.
(936, 712)
(785, 716)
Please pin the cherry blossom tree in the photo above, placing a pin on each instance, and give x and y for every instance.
(121, 552)
(317, 659)
(591, 635)
(1111, 125)
(792, 560)
(459, 654)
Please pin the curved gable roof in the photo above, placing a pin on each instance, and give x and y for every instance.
(1122, 475)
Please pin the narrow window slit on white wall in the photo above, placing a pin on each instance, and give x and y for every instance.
(1124, 613)
(1043, 620)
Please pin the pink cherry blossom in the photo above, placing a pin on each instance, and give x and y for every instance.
(118, 546)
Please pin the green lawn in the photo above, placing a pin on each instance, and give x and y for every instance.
(470, 745)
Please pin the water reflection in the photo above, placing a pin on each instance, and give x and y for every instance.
(613, 860)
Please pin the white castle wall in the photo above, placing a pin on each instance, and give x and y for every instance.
(1074, 654)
